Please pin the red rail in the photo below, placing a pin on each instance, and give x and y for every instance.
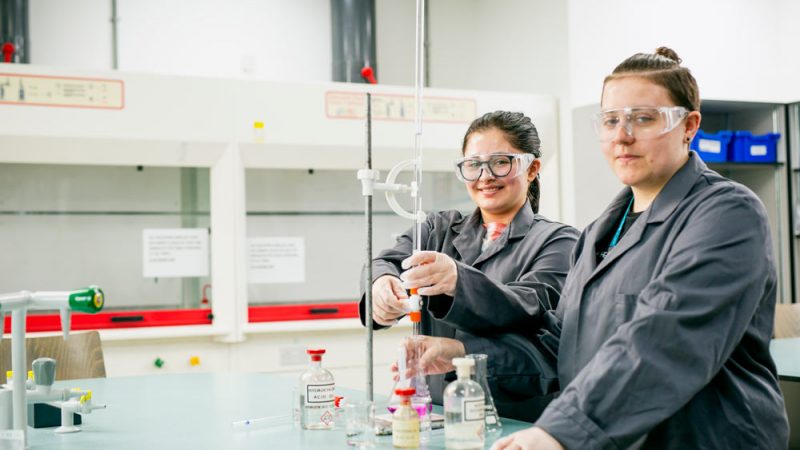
(182, 317)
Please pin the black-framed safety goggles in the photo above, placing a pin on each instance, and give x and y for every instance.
(499, 165)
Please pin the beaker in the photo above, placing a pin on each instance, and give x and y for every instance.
(490, 417)
(360, 424)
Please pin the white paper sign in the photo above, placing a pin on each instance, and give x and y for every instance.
(12, 440)
(175, 252)
(276, 260)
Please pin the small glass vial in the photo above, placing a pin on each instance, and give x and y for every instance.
(464, 409)
(258, 132)
(29, 382)
(316, 395)
(339, 404)
(405, 421)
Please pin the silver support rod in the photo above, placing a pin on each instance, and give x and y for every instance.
(419, 83)
(114, 42)
(18, 360)
(368, 289)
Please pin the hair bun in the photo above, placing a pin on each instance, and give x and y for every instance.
(668, 53)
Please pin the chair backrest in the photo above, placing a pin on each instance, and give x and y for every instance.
(80, 356)
(787, 320)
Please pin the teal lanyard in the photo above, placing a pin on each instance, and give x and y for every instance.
(615, 239)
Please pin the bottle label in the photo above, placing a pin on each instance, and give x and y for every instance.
(319, 393)
(405, 433)
(473, 410)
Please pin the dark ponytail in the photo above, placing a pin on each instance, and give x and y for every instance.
(520, 133)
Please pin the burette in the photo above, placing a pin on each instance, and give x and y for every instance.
(369, 183)
(416, 193)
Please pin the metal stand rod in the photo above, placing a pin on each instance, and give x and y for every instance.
(419, 81)
(114, 39)
(419, 68)
(368, 289)
(18, 359)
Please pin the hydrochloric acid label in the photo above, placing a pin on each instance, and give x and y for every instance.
(319, 393)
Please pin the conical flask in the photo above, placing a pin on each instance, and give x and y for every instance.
(491, 418)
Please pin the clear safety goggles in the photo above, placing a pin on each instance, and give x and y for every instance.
(498, 165)
(641, 122)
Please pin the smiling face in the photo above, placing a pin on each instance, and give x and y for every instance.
(645, 165)
(498, 198)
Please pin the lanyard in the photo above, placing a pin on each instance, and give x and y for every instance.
(615, 239)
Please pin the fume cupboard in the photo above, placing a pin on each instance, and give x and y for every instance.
(89, 174)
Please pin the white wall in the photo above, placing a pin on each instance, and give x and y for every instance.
(732, 47)
(75, 33)
(270, 39)
(508, 45)
(787, 60)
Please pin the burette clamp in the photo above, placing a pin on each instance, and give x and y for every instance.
(369, 184)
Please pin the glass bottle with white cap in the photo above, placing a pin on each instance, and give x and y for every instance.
(464, 409)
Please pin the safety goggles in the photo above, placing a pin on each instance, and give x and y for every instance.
(641, 122)
(498, 165)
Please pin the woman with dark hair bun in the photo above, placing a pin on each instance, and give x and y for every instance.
(663, 328)
(495, 271)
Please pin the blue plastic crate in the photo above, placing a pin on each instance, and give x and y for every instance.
(712, 147)
(749, 148)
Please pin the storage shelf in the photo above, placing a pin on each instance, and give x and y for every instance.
(744, 166)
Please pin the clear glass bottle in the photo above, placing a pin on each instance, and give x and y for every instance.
(405, 421)
(464, 409)
(316, 400)
(491, 417)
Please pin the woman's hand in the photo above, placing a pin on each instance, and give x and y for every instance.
(433, 273)
(387, 296)
(435, 355)
(531, 439)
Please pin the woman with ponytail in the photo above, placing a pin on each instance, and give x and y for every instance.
(491, 273)
(663, 328)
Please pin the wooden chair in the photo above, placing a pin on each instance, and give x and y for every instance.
(80, 356)
(787, 320)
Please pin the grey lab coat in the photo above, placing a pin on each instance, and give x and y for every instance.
(665, 343)
(504, 290)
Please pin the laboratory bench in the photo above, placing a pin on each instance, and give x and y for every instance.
(197, 411)
(786, 353)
